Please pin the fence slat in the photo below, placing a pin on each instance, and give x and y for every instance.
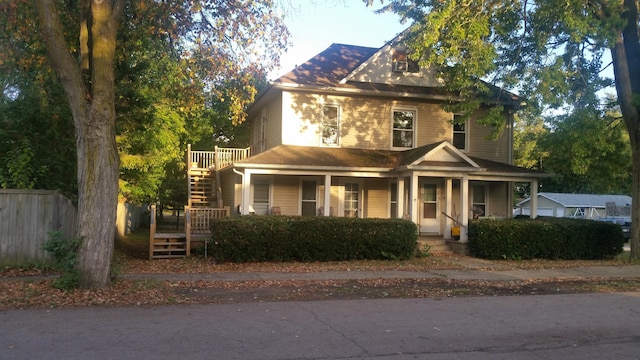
(26, 218)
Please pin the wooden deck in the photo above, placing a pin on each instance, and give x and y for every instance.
(178, 245)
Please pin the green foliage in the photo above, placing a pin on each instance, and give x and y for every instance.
(588, 152)
(544, 238)
(65, 255)
(285, 238)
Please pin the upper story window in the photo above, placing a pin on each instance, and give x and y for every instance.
(460, 137)
(403, 128)
(401, 62)
(330, 125)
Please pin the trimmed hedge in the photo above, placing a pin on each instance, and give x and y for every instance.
(286, 238)
(544, 238)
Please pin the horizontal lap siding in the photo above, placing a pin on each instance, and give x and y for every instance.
(231, 186)
(498, 198)
(286, 192)
(366, 123)
(481, 146)
(434, 125)
(377, 198)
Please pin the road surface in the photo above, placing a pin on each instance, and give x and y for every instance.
(581, 326)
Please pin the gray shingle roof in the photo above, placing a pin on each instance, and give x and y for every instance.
(586, 200)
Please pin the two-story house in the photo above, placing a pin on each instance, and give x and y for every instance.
(359, 132)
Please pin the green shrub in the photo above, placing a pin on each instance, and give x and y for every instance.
(65, 257)
(544, 238)
(286, 238)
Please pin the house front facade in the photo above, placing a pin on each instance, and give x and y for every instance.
(360, 132)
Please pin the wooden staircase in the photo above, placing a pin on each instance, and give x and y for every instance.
(204, 202)
(202, 188)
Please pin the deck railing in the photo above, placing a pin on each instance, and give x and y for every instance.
(228, 156)
(198, 220)
(218, 159)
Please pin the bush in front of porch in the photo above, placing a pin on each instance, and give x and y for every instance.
(287, 238)
(544, 238)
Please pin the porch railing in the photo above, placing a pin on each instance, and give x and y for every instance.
(198, 220)
(218, 159)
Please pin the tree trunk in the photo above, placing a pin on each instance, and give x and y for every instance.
(626, 67)
(93, 109)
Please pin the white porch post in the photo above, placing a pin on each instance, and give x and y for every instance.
(534, 200)
(400, 196)
(464, 199)
(448, 207)
(246, 192)
(413, 197)
(327, 196)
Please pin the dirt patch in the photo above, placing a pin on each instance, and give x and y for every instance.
(391, 288)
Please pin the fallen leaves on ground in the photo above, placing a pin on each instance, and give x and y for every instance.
(32, 288)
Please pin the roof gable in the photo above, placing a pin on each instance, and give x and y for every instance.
(378, 69)
(443, 152)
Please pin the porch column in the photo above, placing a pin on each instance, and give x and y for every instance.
(413, 197)
(464, 199)
(448, 207)
(246, 192)
(400, 210)
(534, 199)
(327, 196)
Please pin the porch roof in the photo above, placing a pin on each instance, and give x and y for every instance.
(288, 157)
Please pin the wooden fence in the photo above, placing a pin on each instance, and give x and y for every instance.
(26, 218)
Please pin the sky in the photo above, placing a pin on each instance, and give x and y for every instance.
(316, 24)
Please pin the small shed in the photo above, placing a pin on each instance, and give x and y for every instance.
(587, 206)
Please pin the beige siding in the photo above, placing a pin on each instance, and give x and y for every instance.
(497, 199)
(366, 123)
(286, 193)
(481, 146)
(273, 112)
(376, 198)
(274, 125)
(231, 186)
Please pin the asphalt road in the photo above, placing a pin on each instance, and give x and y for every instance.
(582, 326)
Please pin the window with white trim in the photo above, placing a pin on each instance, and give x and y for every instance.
(403, 128)
(459, 132)
(393, 200)
(309, 197)
(479, 203)
(330, 125)
(351, 199)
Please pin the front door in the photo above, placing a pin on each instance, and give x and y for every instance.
(429, 214)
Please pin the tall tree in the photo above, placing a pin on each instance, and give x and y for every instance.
(551, 51)
(210, 40)
(589, 153)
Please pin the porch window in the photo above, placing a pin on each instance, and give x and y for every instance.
(330, 125)
(351, 192)
(403, 128)
(479, 203)
(261, 198)
(459, 132)
(309, 198)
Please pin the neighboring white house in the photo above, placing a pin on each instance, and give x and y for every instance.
(588, 206)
